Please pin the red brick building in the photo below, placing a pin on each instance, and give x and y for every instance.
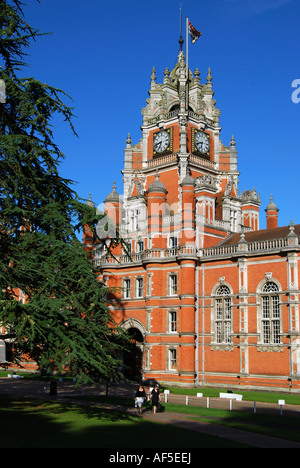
(209, 298)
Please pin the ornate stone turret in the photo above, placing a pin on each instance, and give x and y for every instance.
(272, 214)
(157, 186)
(113, 204)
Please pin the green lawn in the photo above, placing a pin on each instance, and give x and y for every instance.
(248, 395)
(41, 424)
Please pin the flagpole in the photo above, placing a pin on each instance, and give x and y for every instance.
(187, 44)
(181, 38)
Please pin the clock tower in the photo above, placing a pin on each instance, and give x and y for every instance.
(180, 198)
(207, 297)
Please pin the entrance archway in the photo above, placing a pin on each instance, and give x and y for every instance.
(133, 356)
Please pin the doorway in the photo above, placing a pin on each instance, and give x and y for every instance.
(133, 356)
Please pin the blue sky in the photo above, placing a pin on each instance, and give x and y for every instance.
(102, 53)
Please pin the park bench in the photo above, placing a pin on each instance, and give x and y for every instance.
(231, 396)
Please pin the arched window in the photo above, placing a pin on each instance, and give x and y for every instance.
(223, 315)
(270, 315)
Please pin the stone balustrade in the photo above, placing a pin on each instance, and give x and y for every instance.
(265, 246)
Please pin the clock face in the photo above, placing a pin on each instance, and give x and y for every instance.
(161, 141)
(202, 142)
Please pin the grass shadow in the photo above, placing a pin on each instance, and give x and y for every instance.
(52, 424)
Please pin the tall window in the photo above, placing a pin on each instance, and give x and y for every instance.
(139, 287)
(270, 314)
(233, 220)
(135, 215)
(172, 321)
(127, 288)
(223, 315)
(173, 285)
(172, 359)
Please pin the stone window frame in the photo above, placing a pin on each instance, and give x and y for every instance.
(173, 241)
(126, 289)
(274, 321)
(224, 322)
(171, 311)
(172, 355)
(139, 245)
(170, 286)
(138, 288)
(134, 220)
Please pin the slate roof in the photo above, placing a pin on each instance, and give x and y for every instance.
(261, 235)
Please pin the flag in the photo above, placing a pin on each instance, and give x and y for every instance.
(194, 33)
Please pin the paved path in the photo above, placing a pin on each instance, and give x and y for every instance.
(243, 437)
(41, 390)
